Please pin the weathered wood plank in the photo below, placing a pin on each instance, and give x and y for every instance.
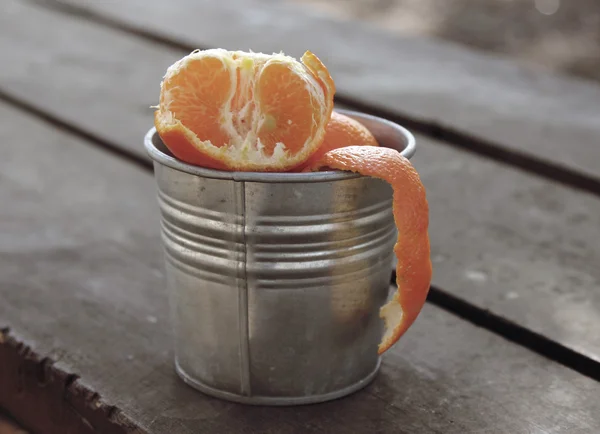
(509, 242)
(93, 81)
(528, 111)
(521, 247)
(81, 280)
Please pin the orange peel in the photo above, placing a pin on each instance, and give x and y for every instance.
(411, 215)
(341, 131)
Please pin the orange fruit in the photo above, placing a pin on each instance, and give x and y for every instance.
(341, 131)
(234, 110)
(411, 214)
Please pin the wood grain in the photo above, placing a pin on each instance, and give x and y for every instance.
(49, 400)
(528, 111)
(82, 283)
(506, 241)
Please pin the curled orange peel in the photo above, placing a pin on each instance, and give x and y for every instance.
(411, 215)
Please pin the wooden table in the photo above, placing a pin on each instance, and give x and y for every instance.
(510, 339)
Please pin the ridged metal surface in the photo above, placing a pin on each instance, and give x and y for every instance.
(275, 287)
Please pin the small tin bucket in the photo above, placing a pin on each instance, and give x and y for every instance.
(275, 280)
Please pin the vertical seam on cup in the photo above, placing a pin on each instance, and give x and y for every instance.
(245, 387)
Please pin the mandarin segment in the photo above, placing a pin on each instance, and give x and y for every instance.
(233, 110)
(411, 215)
(196, 99)
(286, 103)
(314, 64)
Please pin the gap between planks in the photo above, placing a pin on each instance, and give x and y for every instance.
(541, 167)
(515, 333)
(463, 309)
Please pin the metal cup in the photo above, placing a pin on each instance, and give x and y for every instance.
(275, 280)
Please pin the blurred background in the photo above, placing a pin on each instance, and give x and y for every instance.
(563, 35)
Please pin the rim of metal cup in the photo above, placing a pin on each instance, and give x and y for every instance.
(166, 158)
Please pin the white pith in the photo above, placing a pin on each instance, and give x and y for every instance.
(391, 313)
(244, 147)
